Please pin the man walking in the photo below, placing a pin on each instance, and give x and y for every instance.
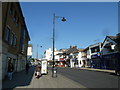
(27, 68)
(38, 71)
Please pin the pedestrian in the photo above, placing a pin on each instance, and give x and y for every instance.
(38, 71)
(27, 68)
(10, 70)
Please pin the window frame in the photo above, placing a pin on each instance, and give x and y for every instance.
(11, 39)
(14, 16)
(7, 34)
(17, 21)
(15, 41)
(11, 9)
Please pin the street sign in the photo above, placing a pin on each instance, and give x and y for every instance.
(44, 67)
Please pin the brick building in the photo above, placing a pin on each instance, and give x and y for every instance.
(15, 37)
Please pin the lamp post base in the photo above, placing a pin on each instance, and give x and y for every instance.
(54, 72)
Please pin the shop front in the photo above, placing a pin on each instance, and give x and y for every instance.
(62, 62)
(95, 61)
(110, 61)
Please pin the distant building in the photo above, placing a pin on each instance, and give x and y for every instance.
(94, 51)
(109, 52)
(71, 56)
(109, 45)
(81, 57)
(15, 37)
(61, 60)
(29, 51)
(48, 54)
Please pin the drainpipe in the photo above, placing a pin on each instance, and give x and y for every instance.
(17, 64)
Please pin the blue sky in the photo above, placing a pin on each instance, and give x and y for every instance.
(86, 22)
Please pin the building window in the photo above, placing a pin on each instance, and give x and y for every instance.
(14, 18)
(15, 41)
(7, 33)
(22, 48)
(22, 45)
(11, 9)
(11, 39)
(24, 34)
(17, 21)
(95, 49)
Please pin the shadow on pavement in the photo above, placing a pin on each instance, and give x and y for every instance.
(19, 79)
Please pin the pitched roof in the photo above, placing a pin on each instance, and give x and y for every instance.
(72, 50)
(63, 50)
(114, 38)
(60, 54)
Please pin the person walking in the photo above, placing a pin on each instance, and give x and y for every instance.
(38, 71)
(10, 70)
(27, 68)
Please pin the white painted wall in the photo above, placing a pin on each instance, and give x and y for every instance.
(92, 46)
(71, 63)
(57, 57)
(104, 50)
(80, 59)
(48, 54)
(29, 51)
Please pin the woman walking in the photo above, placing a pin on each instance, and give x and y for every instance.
(38, 71)
(10, 71)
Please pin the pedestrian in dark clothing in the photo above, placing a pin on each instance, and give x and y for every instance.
(27, 68)
(10, 70)
(38, 71)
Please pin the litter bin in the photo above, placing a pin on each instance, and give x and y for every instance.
(54, 72)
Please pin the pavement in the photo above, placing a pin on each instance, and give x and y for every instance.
(98, 70)
(23, 80)
(91, 79)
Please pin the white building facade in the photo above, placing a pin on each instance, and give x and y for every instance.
(48, 54)
(94, 52)
(29, 51)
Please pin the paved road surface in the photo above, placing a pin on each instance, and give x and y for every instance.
(67, 78)
(91, 79)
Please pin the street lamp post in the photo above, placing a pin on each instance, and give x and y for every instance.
(37, 51)
(54, 72)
